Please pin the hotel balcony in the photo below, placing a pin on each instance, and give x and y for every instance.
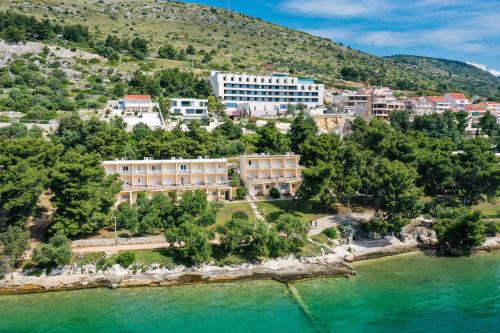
(274, 180)
(174, 187)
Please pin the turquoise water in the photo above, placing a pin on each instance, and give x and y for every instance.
(413, 293)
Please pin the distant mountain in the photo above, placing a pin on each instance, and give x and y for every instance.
(242, 43)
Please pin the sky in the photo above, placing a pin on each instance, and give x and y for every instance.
(465, 30)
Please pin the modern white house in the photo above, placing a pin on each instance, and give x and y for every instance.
(135, 109)
(264, 96)
(419, 106)
(189, 108)
(136, 103)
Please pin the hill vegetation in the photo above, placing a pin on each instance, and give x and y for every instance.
(200, 38)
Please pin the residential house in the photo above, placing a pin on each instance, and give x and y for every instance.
(419, 106)
(189, 108)
(439, 104)
(458, 101)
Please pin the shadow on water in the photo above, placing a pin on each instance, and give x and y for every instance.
(316, 324)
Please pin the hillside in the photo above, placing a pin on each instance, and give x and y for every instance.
(462, 75)
(231, 41)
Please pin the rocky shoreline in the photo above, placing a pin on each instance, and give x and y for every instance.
(282, 270)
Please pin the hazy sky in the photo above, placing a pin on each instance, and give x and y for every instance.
(467, 30)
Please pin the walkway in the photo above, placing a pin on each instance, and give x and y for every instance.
(111, 249)
(255, 211)
(337, 219)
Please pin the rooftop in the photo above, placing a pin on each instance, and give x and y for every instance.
(137, 97)
(456, 95)
(437, 99)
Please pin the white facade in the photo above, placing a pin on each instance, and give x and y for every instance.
(189, 108)
(458, 101)
(134, 103)
(266, 96)
(439, 104)
(419, 106)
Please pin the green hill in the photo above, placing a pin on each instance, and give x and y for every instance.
(232, 41)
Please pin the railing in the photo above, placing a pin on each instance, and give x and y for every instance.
(174, 186)
(274, 179)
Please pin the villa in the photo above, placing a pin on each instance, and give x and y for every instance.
(172, 177)
(262, 172)
(264, 96)
(189, 108)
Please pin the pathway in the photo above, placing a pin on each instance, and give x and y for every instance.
(337, 219)
(111, 249)
(255, 211)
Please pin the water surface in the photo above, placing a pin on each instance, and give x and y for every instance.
(412, 293)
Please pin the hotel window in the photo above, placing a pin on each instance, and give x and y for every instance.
(125, 168)
(214, 193)
(125, 196)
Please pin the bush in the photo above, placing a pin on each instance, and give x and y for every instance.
(275, 193)
(240, 215)
(241, 192)
(125, 259)
(56, 253)
(235, 181)
(330, 232)
(15, 241)
(492, 228)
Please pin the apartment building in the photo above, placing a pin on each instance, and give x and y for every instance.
(458, 101)
(189, 108)
(262, 172)
(439, 104)
(172, 177)
(264, 96)
(419, 106)
(355, 104)
(475, 112)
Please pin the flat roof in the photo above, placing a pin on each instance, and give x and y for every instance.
(177, 160)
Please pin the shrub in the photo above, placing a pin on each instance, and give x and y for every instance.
(492, 228)
(241, 215)
(241, 192)
(330, 232)
(275, 193)
(125, 259)
(235, 181)
(56, 253)
(15, 241)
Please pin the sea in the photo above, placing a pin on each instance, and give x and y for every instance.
(406, 293)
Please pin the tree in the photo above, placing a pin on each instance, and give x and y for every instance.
(190, 50)
(15, 242)
(193, 203)
(477, 171)
(275, 193)
(235, 234)
(302, 128)
(127, 217)
(167, 52)
(194, 246)
(321, 148)
(76, 33)
(270, 140)
(139, 48)
(488, 124)
(83, 194)
(400, 120)
(241, 192)
(295, 231)
(216, 107)
(392, 185)
(56, 253)
(458, 230)
(229, 130)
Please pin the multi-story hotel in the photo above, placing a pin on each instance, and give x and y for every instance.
(261, 173)
(458, 101)
(172, 177)
(189, 108)
(254, 95)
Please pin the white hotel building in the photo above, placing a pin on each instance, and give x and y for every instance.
(264, 96)
(189, 108)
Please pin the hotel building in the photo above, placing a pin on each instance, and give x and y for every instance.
(172, 177)
(262, 172)
(458, 101)
(189, 108)
(419, 106)
(268, 96)
(439, 104)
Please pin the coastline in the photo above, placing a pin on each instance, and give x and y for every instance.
(283, 270)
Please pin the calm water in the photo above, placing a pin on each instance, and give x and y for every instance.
(412, 293)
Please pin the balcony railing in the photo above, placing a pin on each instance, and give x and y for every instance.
(274, 179)
(174, 186)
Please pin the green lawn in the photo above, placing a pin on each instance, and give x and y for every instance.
(228, 209)
(489, 209)
(306, 210)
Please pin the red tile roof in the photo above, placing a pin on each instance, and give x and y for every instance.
(489, 103)
(437, 99)
(474, 107)
(456, 95)
(138, 97)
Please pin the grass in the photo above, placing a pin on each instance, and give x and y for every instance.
(305, 210)
(224, 214)
(88, 258)
(489, 209)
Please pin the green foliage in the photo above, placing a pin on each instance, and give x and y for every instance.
(270, 140)
(196, 247)
(458, 230)
(56, 253)
(125, 259)
(330, 232)
(275, 193)
(488, 124)
(15, 242)
(83, 194)
(302, 128)
(241, 192)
